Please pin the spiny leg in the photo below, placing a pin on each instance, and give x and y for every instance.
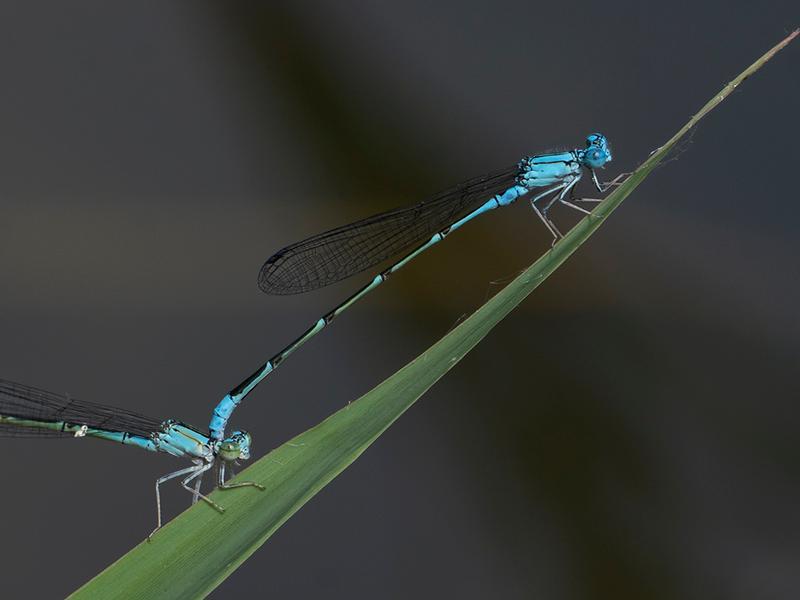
(616, 181)
(574, 199)
(229, 486)
(571, 205)
(602, 188)
(547, 223)
(198, 473)
(163, 479)
(196, 493)
(550, 226)
(568, 187)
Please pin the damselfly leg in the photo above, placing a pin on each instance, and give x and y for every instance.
(196, 490)
(229, 486)
(551, 227)
(603, 187)
(196, 470)
(618, 180)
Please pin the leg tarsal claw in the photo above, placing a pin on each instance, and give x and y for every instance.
(214, 505)
(230, 486)
(616, 181)
(578, 208)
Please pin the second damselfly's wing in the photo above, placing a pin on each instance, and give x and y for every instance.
(334, 255)
(25, 402)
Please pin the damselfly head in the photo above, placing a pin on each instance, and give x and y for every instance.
(235, 447)
(598, 151)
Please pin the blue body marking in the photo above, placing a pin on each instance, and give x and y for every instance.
(556, 174)
(26, 410)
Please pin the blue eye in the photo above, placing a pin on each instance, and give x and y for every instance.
(595, 139)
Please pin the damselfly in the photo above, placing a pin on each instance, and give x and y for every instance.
(28, 411)
(339, 253)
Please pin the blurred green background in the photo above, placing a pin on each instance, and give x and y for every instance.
(629, 432)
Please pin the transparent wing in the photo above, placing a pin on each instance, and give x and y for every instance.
(334, 255)
(25, 402)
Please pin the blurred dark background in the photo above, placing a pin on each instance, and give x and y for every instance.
(630, 431)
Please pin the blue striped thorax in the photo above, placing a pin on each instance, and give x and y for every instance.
(551, 169)
(179, 440)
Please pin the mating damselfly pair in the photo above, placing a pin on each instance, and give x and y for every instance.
(301, 267)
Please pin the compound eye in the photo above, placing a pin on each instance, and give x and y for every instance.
(596, 158)
(596, 140)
